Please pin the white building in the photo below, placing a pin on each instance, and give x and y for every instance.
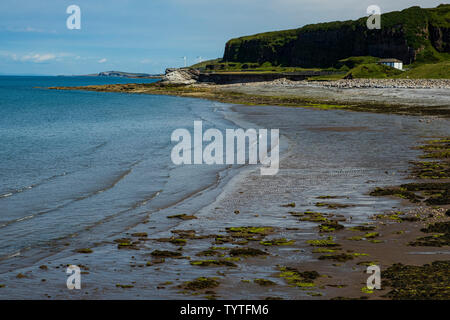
(394, 63)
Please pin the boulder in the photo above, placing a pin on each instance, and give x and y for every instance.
(180, 76)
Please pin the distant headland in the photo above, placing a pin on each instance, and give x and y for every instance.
(122, 74)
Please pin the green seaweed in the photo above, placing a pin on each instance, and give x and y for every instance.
(277, 242)
(371, 235)
(201, 283)
(84, 250)
(251, 230)
(363, 228)
(264, 282)
(341, 257)
(331, 205)
(313, 216)
(441, 238)
(324, 250)
(330, 226)
(182, 216)
(289, 205)
(427, 282)
(127, 245)
(207, 263)
(165, 254)
(247, 252)
(329, 242)
(124, 286)
(396, 192)
(366, 290)
(299, 279)
(140, 234)
(207, 253)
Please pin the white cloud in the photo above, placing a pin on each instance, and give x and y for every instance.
(28, 30)
(36, 57)
(102, 60)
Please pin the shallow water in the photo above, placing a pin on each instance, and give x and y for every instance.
(71, 160)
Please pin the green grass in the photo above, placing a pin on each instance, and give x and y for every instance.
(439, 70)
(218, 65)
(415, 24)
(359, 67)
(204, 63)
(366, 67)
(351, 62)
(374, 71)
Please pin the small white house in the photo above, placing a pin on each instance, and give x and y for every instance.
(394, 63)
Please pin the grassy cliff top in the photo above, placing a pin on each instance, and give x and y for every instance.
(413, 20)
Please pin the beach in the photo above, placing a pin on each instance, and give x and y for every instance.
(309, 232)
(401, 96)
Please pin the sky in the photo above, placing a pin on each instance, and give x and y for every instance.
(150, 35)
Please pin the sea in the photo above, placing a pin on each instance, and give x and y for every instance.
(74, 160)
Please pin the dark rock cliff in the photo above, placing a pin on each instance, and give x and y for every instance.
(409, 35)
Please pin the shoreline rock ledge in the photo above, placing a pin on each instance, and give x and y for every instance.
(180, 76)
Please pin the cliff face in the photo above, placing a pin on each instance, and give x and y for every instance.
(408, 35)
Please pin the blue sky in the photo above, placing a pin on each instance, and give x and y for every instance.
(150, 35)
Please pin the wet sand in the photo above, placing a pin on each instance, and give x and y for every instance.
(330, 161)
(328, 157)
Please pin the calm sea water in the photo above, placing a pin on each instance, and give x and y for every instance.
(70, 160)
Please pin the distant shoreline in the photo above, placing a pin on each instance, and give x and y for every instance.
(364, 95)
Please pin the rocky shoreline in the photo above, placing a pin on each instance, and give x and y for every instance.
(187, 76)
(433, 102)
(373, 83)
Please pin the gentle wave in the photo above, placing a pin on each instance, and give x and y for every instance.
(49, 179)
(87, 228)
(27, 188)
(89, 195)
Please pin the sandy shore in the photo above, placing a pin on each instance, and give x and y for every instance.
(395, 92)
(307, 233)
(312, 182)
(361, 96)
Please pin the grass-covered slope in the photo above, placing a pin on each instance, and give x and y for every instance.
(412, 35)
(374, 71)
(439, 70)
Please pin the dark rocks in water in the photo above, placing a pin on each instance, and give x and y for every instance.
(165, 254)
(200, 284)
(396, 192)
(341, 257)
(264, 282)
(207, 263)
(439, 227)
(247, 252)
(427, 282)
(439, 239)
